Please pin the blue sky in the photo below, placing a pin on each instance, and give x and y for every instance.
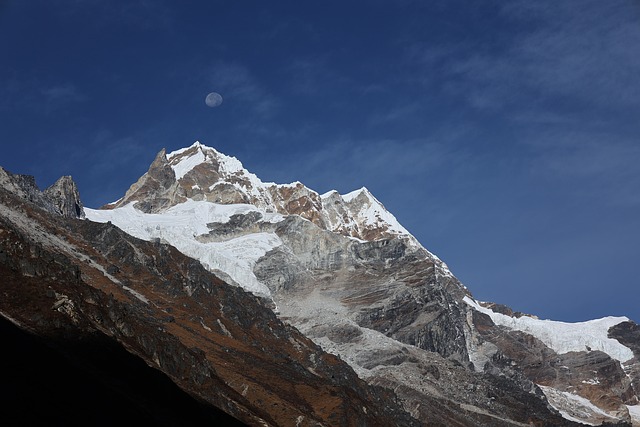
(503, 135)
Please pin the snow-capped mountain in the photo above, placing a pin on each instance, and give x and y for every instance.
(342, 270)
(339, 268)
(101, 328)
(200, 173)
(186, 192)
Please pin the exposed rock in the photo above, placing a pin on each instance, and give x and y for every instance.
(203, 174)
(66, 198)
(61, 198)
(590, 375)
(343, 271)
(167, 309)
(155, 190)
(628, 333)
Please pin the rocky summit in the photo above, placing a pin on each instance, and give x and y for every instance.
(282, 306)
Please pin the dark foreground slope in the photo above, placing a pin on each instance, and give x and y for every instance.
(90, 380)
(106, 301)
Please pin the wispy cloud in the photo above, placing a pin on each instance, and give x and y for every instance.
(313, 75)
(241, 88)
(59, 96)
(388, 165)
(565, 53)
(29, 93)
(599, 167)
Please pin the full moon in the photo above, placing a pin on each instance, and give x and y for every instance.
(213, 99)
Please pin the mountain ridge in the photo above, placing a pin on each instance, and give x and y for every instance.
(356, 280)
(384, 305)
(72, 282)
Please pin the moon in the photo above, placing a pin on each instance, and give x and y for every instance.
(213, 99)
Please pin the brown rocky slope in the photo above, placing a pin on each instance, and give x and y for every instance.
(66, 280)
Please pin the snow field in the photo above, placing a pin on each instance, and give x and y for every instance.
(563, 337)
(181, 224)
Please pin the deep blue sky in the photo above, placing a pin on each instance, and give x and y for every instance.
(505, 135)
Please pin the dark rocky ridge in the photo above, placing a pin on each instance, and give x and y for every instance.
(65, 198)
(385, 305)
(61, 198)
(67, 281)
(628, 333)
(90, 380)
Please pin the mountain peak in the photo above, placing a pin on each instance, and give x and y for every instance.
(342, 270)
(61, 198)
(356, 193)
(201, 173)
(194, 192)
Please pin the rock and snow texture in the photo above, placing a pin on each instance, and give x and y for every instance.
(181, 225)
(186, 191)
(581, 399)
(563, 337)
(199, 172)
(576, 408)
(634, 412)
(343, 270)
(359, 214)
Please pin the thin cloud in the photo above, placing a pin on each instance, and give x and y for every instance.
(600, 167)
(29, 93)
(312, 75)
(578, 54)
(59, 96)
(236, 83)
(349, 164)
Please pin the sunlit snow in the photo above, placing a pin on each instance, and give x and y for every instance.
(634, 411)
(573, 407)
(180, 225)
(187, 164)
(564, 337)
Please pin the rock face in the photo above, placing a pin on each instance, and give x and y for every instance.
(61, 198)
(201, 173)
(78, 285)
(66, 198)
(343, 271)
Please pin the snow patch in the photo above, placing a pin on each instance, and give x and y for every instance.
(355, 193)
(182, 150)
(573, 407)
(329, 194)
(185, 165)
(634, 412)
(181, 224)
(564, 337)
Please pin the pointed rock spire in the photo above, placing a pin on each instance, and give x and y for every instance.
(65, 197)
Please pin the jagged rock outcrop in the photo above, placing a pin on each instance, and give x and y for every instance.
(628, 333)
(66, 198)
(201, 173)
(61, 198)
